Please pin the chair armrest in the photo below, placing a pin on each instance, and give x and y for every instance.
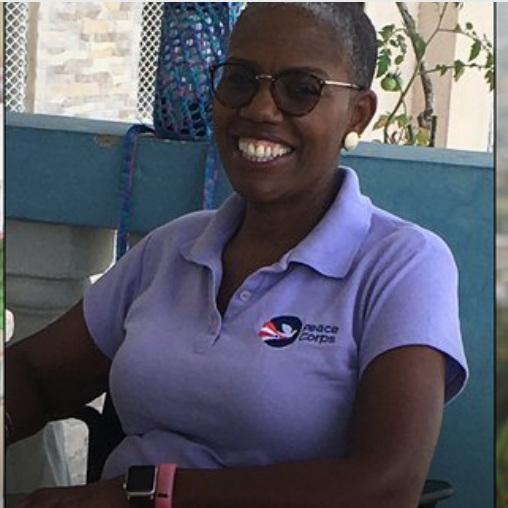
(435, 491)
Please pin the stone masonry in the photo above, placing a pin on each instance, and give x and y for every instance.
(87, 59)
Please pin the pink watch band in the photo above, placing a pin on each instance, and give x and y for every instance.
(165, 484)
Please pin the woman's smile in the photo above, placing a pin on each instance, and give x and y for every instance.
(262, 151)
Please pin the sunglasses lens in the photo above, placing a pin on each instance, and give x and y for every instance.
(234, 85)
(297, 93)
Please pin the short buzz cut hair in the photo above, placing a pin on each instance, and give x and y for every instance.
(354, 33)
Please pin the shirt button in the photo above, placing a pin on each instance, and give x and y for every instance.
(245, 296)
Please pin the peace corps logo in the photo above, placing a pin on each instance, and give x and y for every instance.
(281, 331)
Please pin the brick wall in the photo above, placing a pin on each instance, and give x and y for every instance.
(87, 59)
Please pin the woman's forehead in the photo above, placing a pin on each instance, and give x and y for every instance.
(285, 34)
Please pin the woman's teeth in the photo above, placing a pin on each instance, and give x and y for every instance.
(262, 151)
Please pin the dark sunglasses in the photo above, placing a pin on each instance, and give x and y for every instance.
(295, 92)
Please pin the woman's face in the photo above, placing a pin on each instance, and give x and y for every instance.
(300, 154)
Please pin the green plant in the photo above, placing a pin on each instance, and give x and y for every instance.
(395, 43)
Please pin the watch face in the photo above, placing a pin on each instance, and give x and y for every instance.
(141, 480)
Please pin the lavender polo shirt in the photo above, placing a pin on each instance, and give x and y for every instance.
(275, 378)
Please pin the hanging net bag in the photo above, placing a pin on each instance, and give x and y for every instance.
(193, 36)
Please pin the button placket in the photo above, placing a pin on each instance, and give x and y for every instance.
(251, 288)
(213, 320)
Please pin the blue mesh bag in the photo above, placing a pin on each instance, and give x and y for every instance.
(193, 36)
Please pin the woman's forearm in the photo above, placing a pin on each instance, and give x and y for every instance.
(309, 484)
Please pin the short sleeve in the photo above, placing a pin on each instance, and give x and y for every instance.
(413, 300)
(107, 301)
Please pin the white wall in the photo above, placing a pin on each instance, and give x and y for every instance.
(471, 108)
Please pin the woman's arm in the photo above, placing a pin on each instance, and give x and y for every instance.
(394, 431)
(395, 427)
(52, 372)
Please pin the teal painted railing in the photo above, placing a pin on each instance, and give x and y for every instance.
(66, 171)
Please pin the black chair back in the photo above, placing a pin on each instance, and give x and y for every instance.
(104, 434)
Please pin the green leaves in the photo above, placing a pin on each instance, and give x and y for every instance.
(384, 62)
(476, 49)
(420, 46)
(387, 32)
(489, 74)
(459, 67)
(401, 45)
(392, 50)
(442, 69)
(381, 122)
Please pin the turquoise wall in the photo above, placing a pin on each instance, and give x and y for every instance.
(63, 170)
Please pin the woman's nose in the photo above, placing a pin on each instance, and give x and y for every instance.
(262, 107)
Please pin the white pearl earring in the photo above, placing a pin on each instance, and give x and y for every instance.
(351, 141)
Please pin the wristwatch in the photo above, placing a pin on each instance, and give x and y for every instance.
(140, 486)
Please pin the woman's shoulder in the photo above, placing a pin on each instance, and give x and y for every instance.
(401, 238)
(385, 224)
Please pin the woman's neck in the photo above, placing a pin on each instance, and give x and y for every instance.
(283, 226)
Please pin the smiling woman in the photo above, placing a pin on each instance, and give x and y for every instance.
(272, 100)
(294, 347)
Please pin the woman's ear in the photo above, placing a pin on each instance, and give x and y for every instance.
(364, 107)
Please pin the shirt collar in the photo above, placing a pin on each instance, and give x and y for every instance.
(207, 248)
(334, 243)
(329, 249)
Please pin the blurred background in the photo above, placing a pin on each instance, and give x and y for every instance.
(502, 254)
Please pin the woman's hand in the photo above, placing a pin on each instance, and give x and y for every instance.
(105, 494)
